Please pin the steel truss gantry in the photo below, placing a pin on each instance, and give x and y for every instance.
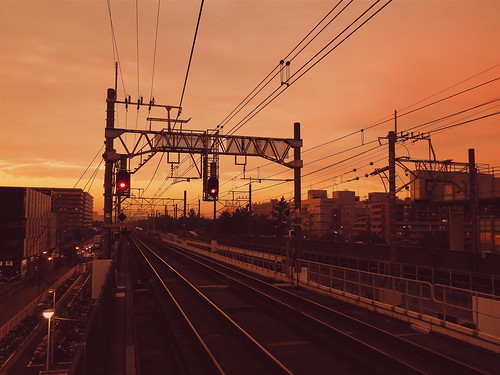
(208, 144)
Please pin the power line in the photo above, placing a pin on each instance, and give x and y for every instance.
(276, 93)
(269, 78)
(319, 32)
(86, 169)
(116, 56)
(156, 170)
(191, 56)
(137, 44)
(90, 182)
(404, 114)
(452, 115)
(155, 47)
(464, 122)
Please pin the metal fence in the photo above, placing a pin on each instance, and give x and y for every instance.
(442, 295)
(484, 283)
(469, 308)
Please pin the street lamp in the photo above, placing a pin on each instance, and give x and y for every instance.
(47, 314)
(53, 291)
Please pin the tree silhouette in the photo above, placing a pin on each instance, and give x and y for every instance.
(281, 214)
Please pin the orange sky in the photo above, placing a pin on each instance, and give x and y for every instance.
(56, 63)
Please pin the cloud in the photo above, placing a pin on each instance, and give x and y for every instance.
(45, 168)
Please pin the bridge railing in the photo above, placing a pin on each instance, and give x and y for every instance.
(440, 304)
(463, 307)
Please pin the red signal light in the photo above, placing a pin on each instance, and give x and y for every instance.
(123, 183)
(213, 188)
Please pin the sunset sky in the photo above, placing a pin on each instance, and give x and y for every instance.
(57, 61)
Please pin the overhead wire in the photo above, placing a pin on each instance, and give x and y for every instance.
(152, 82)
(447, 127)
(92, 179)
(391, 118)
(277, 92)
(270, 77)
(440, 129)
(190, 57)
(116, 55)
(86, 169)
(155, 47)
(154, 174)
(137, 45)
(440, 119)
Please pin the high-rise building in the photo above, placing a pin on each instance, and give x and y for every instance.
(27, 228)
(74, 210)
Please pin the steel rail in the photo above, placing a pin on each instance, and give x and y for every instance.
(459, 365)
(251, 339)
(181, 311)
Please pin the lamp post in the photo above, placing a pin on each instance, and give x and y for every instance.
(47, 314)
(53, 291)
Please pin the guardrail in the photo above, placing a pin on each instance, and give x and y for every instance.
(397, 291)
(471, 313)
(272, 264)
(489, 284)
(474, 310)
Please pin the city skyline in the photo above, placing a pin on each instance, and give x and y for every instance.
(57, 62)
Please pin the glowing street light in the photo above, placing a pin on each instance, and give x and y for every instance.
(47, 314)
(53, 291)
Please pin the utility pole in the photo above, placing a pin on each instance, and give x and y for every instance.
(185, 204)
(392, 137)
(214, 223)
(297, 196)
(250, 197)
(110, 157)
(473, 209)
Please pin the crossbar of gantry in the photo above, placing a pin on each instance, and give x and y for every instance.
(199, 142)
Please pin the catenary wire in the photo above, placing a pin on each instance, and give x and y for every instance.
(116, 56)
(155, 47)
(86, 169)
(277, 92)
(137, 45)
(270, 77)
(191, 56)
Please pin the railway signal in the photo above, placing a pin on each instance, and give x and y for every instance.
(123, 183)
(213, 188)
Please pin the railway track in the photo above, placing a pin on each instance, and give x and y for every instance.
(219, 320)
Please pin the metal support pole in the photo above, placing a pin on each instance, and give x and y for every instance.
(215, 220)
(108, 173)
(250, 197)
(185, 204)
(47, 364)
(473, 209)
(391, 233)
(249, 226)
(297, 197)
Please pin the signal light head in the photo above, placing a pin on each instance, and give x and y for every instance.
(213, 188)
(123, 183)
